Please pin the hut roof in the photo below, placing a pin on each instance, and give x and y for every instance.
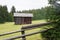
(23, 15)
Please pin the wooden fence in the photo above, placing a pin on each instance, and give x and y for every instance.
(23, 29)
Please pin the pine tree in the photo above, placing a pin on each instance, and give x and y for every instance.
(13, 10)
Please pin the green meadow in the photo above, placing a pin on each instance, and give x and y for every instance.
(10, 27)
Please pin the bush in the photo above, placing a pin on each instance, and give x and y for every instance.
(52, 34)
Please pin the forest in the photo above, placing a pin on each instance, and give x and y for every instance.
(39, 14)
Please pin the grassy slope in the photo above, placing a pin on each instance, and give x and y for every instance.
(9, 26)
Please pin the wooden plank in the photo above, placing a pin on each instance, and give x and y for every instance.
(27, 27)
(35, 26)
(16, 37)
(10, 33)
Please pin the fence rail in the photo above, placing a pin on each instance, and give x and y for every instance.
(35, 26)
(23, 36)
(10, 33)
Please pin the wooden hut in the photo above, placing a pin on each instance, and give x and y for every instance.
(23, 18)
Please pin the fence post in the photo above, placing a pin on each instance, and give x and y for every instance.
(23, 33)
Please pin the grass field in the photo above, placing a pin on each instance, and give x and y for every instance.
(9, 27)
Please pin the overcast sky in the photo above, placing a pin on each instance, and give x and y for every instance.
(24, 4)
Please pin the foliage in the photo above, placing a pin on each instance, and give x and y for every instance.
(38, 13)
(13, 10)
(54, 33)
(52, 1)
(3, 13)
(10, 17)
(5, 16)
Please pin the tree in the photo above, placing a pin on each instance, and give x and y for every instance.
(56, 7)
(38, 13)
(52, 1)
(13, 10)
(5, 11)
(10, 17)
(54, 33)
(2, 14)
